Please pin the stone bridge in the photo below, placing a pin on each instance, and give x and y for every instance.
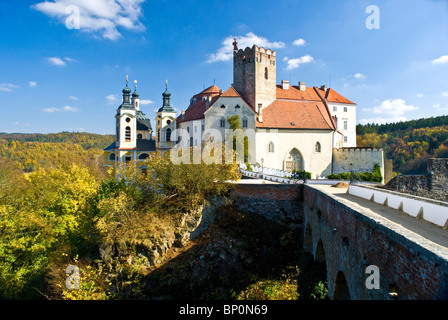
(371, 252)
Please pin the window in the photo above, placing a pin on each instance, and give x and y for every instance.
(158, 135)
(266, 75)
(223, 106)
(139, 136)
(345, 124)
(335, 108)
(127, 134)
(317, 148)
(237, 106)
(143, 156)
(112, 157)
(191, 141)
(202, 127)
(168, 134)
(345, 109)
(222, 123)
(127, 159)
(128, 120)
(244, 123)
(188, 129)
(345, 139)
(271, 147)
(168, 121)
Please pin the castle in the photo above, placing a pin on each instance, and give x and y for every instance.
(294, 127)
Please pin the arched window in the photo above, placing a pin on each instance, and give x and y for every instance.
(112, 157)
(317, 147)
(127, 134)
(168, 134)
(271, 147)
(266, 75)
(143, 156)
(139, 136)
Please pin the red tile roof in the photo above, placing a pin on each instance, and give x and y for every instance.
(196, 110)
(293, 93)
(231, 92)
(333, 97)
(306, 109)
(284, 114)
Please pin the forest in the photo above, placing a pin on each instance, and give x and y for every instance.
(408, 144)
(60, 207)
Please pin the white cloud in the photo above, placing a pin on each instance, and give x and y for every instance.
(70, 59)
(63, 109)
(441, 60)
(32, 83)
(445, 93)
(359, 76)
(112, 98)
(8, 87)
(438, 107)
(390, 111)
(97, 17)
(299, 42)
(419, 95)
(295, 63)
(73, 98)
(225, 53)
(142, 101)
(56, 61)
(69, 109)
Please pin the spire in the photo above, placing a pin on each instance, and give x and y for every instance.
(235, 47)
(166, 100)
(126, 95)
(135, 94)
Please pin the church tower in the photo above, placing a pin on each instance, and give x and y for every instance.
(165, 123)
(254, 75)
(126, 121)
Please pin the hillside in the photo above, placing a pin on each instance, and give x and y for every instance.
(84, 139)
(409, 144)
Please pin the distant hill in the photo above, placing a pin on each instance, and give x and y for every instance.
(410, 143)
(84, 139)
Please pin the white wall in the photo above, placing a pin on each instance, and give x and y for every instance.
(350, 117)
(318, 163)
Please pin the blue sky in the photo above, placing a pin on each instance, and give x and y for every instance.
(58, 78)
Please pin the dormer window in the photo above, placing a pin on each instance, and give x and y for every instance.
(237, 106)
(223, 106)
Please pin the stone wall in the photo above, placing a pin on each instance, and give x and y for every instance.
(349, 241)
(358, 160)
(432, 185)
(279, 203)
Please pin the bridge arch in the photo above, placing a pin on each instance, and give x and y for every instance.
(319, 256)
(341, 291)
(308, 239)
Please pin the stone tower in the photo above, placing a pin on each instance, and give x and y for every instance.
(254, 75)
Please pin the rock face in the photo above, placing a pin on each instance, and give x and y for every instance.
(151, 252)
(432, 185)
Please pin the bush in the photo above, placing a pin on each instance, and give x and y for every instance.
(298, 174)
(374, 176)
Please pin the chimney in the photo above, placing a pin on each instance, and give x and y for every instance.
(183, 114)
(302, 86)
(323, 87)
(260, 116)
(207, 103)
(285, 84)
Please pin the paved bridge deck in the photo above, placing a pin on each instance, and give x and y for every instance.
(427, 235)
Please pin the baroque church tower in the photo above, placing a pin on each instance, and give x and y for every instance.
(165, 123)
(126, 119)
(254, 75)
